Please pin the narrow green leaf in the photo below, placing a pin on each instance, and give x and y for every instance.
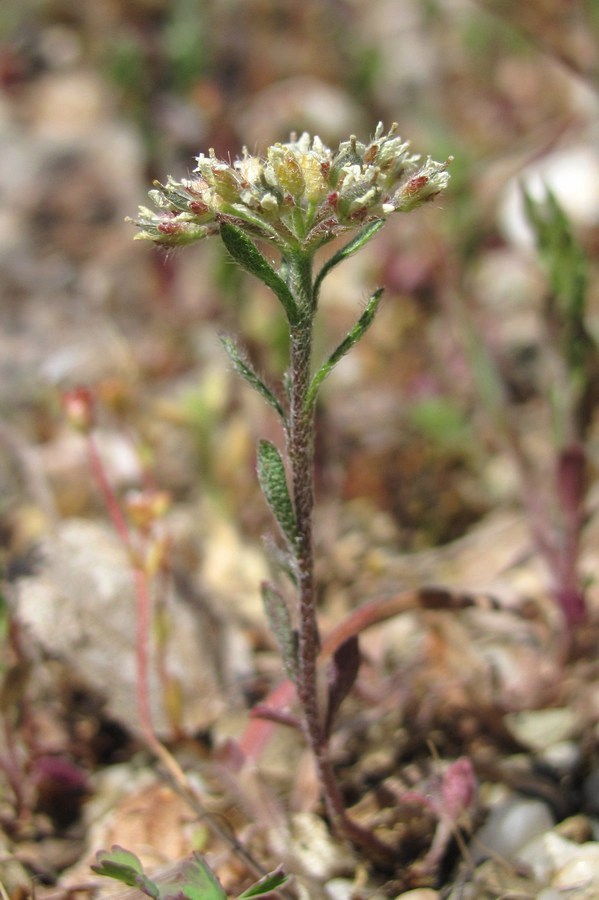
(247, 255)
(243, 368)
(273, 481)
(566, 265)
(348, 250)
(267, 884)
(279, 620)
(353, 336)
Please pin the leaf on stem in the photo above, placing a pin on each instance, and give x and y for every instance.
(247, 255)
(269, 883)
(279, 620)
(352, 337)
(192, 880)
(348, 250)
(341, 675)
(124, 866)
(273, 481)
(243, 368)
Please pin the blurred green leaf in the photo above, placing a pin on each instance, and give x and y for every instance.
(124, 866)
(269, 883)
(566, 267)
(441, 421)
(279, 622)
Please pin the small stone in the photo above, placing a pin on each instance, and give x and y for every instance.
(543, 728)
(318, 854)
(511, 826)
(578, 873)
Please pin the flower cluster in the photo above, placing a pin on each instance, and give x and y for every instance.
(297, 198)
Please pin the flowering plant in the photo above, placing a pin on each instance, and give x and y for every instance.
(301, 196)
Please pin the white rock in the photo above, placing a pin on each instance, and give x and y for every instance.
(510, 826)
(542, 728)
(545, 854)
(580, 871)
(565, 864)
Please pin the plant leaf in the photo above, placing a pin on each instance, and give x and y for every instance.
(342, 672)
(352, 337)
(243, 368)
(247, 255)
(279, 620)
(192, 880)
(348, 250)
(273, 481)
(267, 884)
(566, 265)
(124, 866)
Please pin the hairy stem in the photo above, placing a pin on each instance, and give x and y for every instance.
(300, 445)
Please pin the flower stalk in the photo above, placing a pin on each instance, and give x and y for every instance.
(296, 199)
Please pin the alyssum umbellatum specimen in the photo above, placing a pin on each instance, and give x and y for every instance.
(297, 198)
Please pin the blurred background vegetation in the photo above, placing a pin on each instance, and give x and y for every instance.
(98, 99)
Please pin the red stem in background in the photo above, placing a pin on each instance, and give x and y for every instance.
(142, 591)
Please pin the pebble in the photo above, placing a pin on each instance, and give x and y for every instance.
(540, 729)
(563, 864)
(510, 826)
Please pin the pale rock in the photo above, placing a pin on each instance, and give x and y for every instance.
(80, 605)
(578, 873)
(510, 826)
(563, 863)
(314, 849)
(540, 729)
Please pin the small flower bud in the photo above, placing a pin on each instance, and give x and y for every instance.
(299, 197)
(79, 407)
(145, 507)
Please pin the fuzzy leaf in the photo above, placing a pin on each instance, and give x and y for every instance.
(247, 255)
(342, 673)
(352, 337)
(348, 250)
(124, 866)
(267, 884)
(243, 368)
(273, 481)
(279, 620)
